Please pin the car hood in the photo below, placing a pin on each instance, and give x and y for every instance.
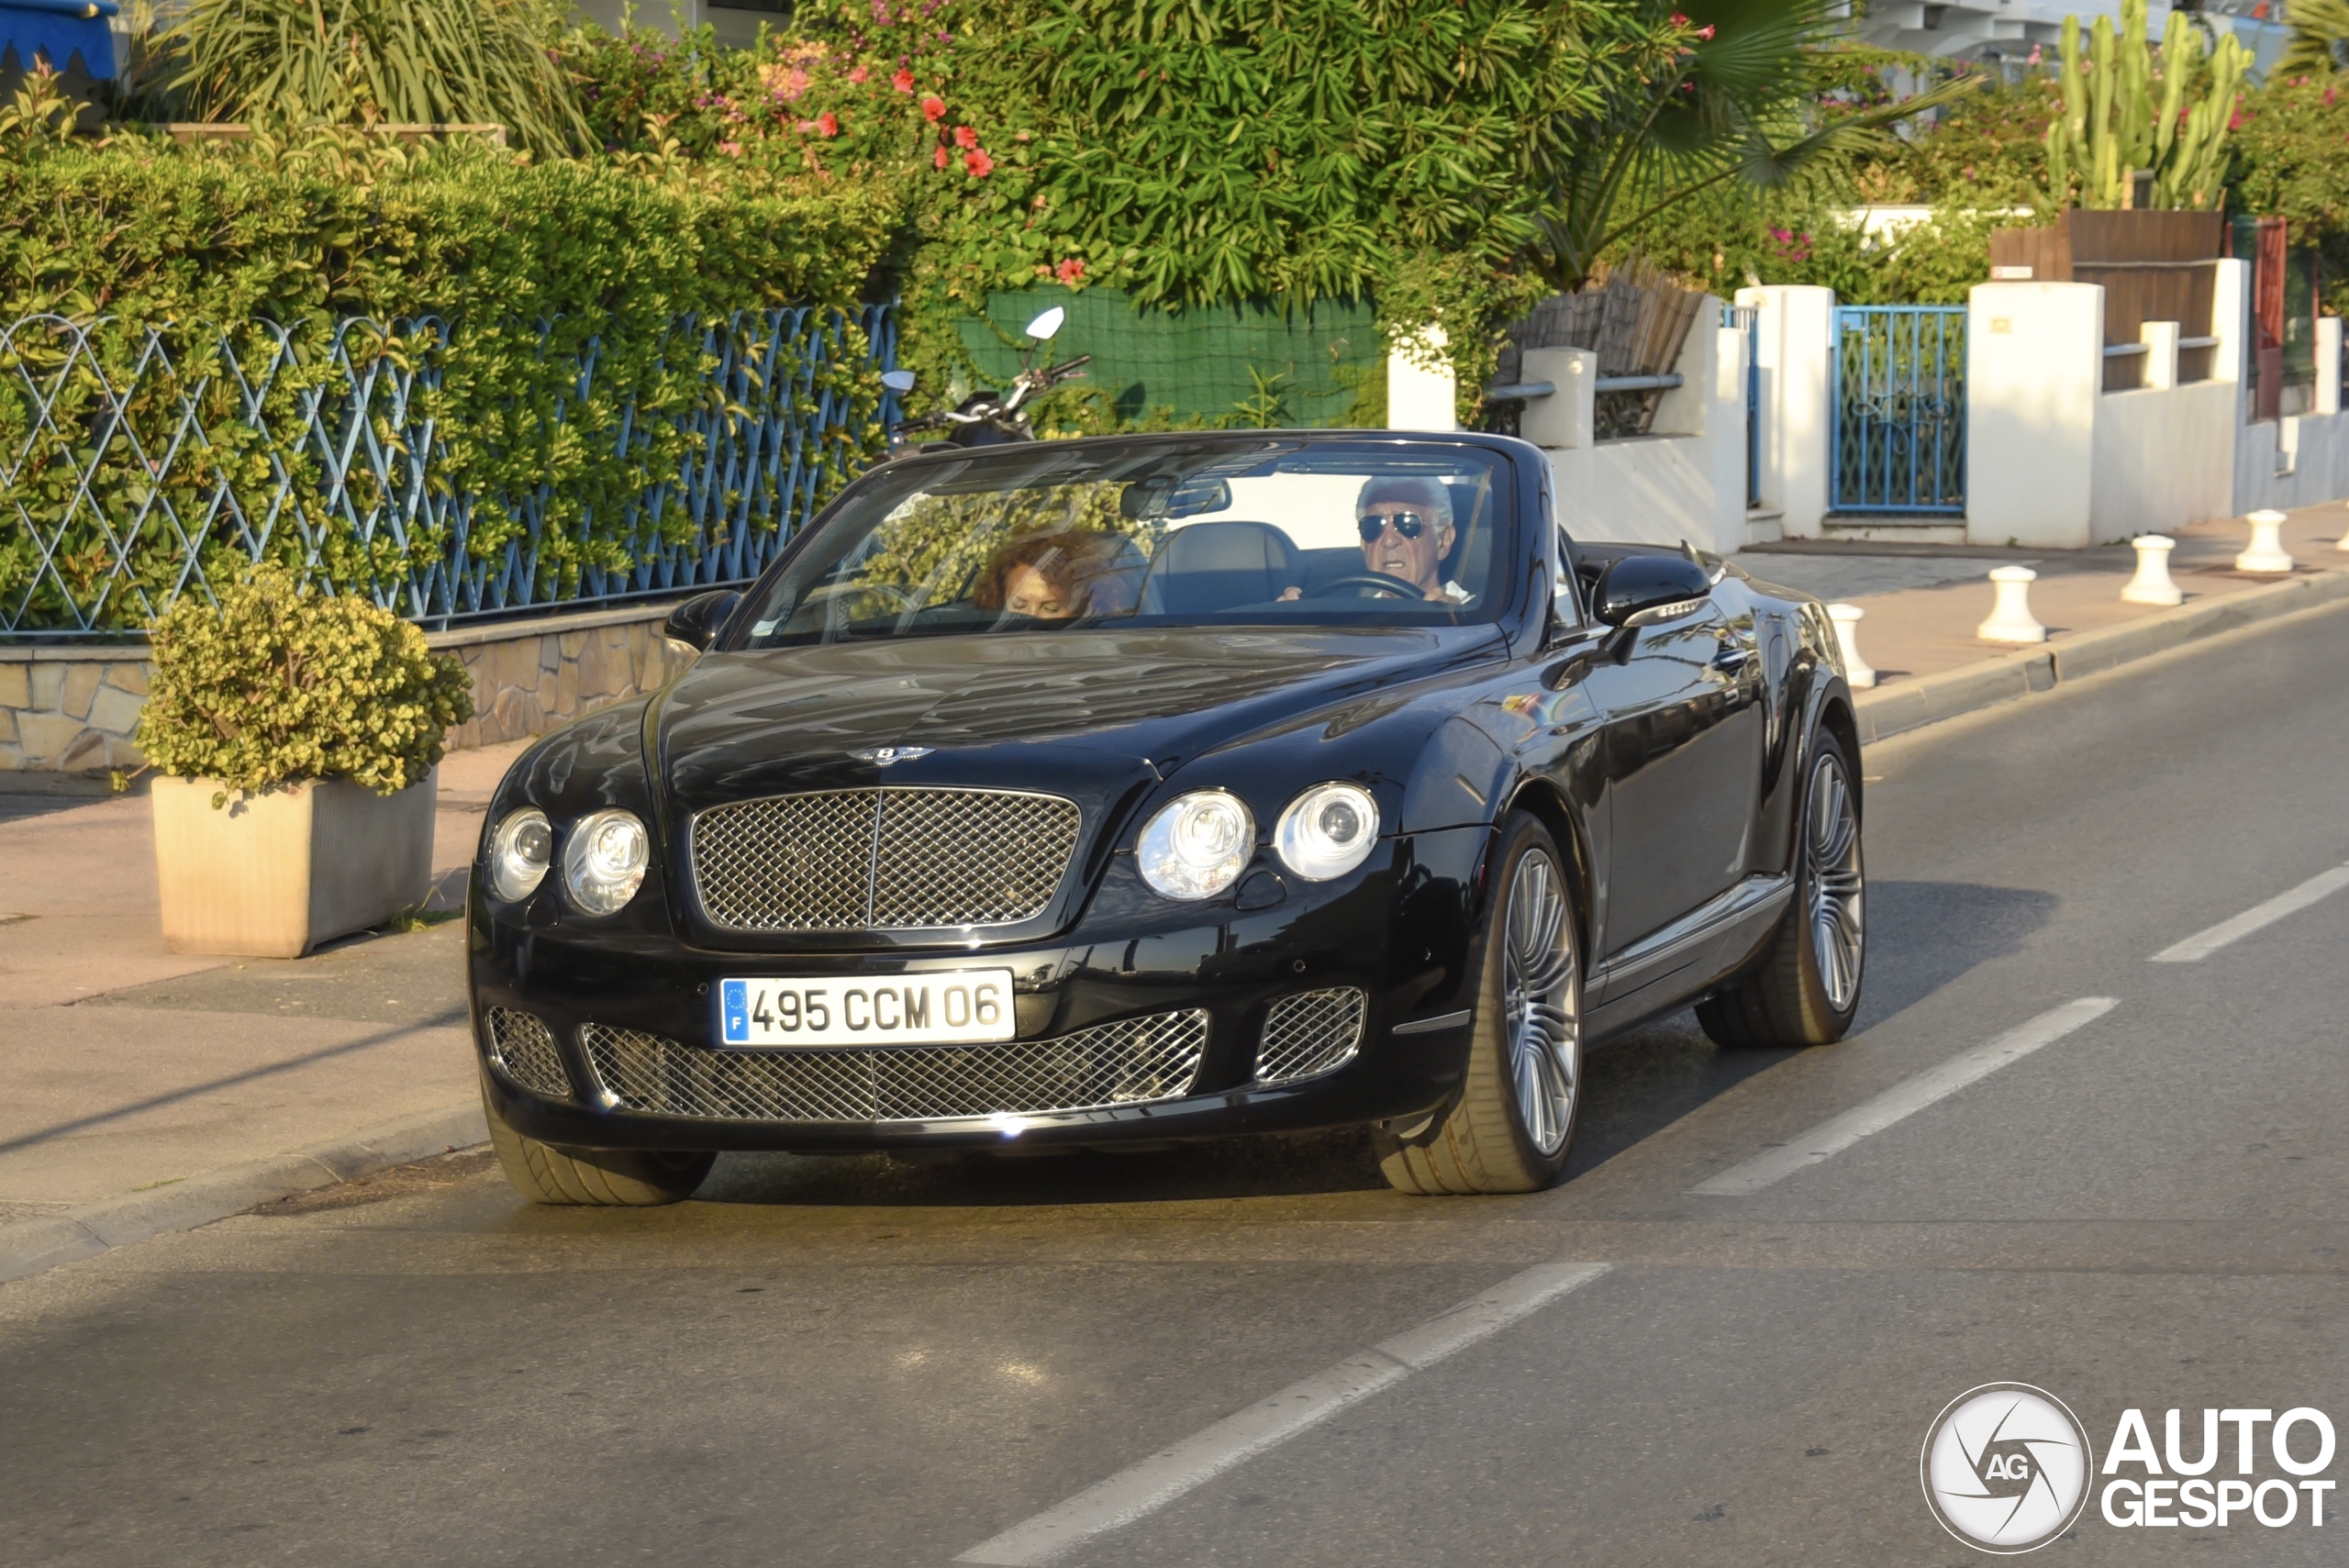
(1080, 708)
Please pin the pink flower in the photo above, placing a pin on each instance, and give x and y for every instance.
(829, 123)
(732, 149)
(977, 163)
(933, 109)
(857, 76)
(1069, 272)
(939, 158)
(1678, 20)
(1705, 32)
(964, 137)
(903, 81)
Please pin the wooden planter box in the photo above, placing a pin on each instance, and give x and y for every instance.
(274, 875)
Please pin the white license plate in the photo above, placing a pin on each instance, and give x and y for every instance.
(947, 1006)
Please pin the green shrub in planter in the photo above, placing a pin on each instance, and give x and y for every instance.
(281, 684)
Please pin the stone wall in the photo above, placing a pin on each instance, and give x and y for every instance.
(74, 710)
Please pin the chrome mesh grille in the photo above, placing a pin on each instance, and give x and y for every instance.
(900, 859)
(1311, 1032)
(523, 1048)
(1154, 1058)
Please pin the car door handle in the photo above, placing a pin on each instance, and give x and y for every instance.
(1732, 656)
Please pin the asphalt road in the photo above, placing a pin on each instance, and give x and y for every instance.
(857, 1362)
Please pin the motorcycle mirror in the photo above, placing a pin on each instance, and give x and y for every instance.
(898, 381)
(1047, 325)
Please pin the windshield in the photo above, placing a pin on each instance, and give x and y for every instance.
(1260, 531)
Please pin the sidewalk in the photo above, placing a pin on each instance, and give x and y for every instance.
(1924, 601)
(130, 1068)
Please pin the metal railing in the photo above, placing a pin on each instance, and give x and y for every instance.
(138, 466)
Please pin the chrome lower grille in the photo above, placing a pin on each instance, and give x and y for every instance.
(896, 859)
(1311, 1032)
(1128, 1062)
(523, 1048)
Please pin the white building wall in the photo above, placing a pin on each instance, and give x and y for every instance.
(2034, 367)
(1685, 481)
(1794, 334)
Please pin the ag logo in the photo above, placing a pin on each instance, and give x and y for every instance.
(2006, 1467)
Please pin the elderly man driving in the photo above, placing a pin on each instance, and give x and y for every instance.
(1406, 527)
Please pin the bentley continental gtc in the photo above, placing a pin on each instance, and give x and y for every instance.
(1170, 787)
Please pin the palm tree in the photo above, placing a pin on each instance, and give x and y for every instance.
(2320, 39)
(1740, 101)
(411, 61)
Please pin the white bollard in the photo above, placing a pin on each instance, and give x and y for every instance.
(2151, 586)
(2010, 618)
(2266, 552)
(1847, 619)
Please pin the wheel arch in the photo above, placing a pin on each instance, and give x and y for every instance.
(1543, 801)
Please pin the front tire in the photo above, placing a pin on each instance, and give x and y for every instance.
(602, 1178)
(1806, 989)
(1514, 1122)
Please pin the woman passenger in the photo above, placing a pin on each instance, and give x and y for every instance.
(1059, 576)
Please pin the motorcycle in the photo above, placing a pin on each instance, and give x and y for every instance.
(988, 418)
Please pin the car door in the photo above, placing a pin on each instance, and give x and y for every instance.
(1682, 716)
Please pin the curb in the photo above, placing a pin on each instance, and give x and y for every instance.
(1889, 711)
(32, 1246)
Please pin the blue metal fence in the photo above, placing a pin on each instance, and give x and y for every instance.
(138, 467)
(1896, 435)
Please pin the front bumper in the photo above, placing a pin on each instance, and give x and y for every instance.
(1152, 1014)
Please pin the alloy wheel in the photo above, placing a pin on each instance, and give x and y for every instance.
(1832, 842)
(1541, 1001)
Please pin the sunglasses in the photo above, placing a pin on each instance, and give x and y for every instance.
(1410, 525)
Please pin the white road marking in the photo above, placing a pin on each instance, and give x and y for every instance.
(1903, 1099)
(1171, 1471)
(2202, 944)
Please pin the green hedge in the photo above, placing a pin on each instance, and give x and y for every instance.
(529, 268)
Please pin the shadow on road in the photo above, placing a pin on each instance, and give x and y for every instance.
(1923, 935)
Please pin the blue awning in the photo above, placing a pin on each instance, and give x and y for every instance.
(56, 30)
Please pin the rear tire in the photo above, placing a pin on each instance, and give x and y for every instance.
(602, 1178)
(1514, 1121)
(1806, 989)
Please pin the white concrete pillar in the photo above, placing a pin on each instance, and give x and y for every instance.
(1569, 416)
(2160, 338)
(1421, 392)
(2266, 552)
(2328, 365)
(2152, 583)
(1856, 669)
(2034, 376)
(1796, 335)
(2010, 618)
(2230, 316)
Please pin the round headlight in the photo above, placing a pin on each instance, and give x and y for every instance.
(520, 852)
(1328, 831)
(604, 859)
(1196, 844)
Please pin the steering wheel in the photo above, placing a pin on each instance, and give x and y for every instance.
(1376, 581)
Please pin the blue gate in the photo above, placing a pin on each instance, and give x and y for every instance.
(1896, 441)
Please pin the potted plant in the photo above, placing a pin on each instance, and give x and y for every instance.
(295, 734)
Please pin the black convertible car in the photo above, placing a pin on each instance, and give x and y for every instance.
(1135, 789)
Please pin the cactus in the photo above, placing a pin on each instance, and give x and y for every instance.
(2111, 130)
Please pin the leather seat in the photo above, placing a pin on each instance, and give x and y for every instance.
(1208, 567)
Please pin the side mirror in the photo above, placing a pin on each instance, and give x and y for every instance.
(898, 381)
(695, 623)
(1641, 590)
(1047, 326)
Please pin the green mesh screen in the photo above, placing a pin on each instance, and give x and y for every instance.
(1241, 365)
